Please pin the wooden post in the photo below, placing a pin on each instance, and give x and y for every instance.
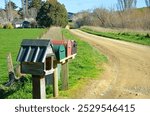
(55, 82)
(38, 84)
(11, 72)
(65, 75)
(10, 63)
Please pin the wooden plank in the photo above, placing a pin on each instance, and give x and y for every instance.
(55, 82)
(32, 68)
(65, 76)
(38, 87)
(62, 61)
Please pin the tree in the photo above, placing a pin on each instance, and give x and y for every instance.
(126, 4)
(13, 5)
(35, 4)
(147, 3)
(52, 14)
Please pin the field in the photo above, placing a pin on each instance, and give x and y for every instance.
(140, 37)
(10, 42)
(87, 64)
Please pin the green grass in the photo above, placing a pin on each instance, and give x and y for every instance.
(87, 64)
(10, 40)
(126, 36)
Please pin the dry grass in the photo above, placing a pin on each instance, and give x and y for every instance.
(53, 33)
(101, 29)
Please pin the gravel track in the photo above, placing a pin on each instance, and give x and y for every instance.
(127, 74)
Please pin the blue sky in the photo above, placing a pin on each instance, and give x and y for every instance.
(79, 5)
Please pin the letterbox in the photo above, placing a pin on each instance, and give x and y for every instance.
(74, 47)
(60, 52)
(66, 43)
(36, 57)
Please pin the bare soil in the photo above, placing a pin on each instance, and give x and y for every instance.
(127, 74)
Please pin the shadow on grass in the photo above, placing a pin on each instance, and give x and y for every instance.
(13, 87)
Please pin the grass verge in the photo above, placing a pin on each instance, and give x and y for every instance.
(10, 40)
(126, 36)
(87, 65)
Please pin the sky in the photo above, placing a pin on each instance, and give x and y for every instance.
(80, 5)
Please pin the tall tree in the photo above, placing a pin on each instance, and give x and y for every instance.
(126, 4)
(12, 4)
(25, 5)
(52, 13)
(147, 3)
(35, 4)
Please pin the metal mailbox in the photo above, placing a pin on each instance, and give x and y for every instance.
(66, 43)
(60, 52)
(36, 57)
(74, 47)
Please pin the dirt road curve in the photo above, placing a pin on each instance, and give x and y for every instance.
(127, 74)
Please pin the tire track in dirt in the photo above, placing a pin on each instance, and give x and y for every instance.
(127, 74)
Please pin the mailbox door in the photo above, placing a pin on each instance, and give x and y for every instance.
(69, 48)
(60, 51)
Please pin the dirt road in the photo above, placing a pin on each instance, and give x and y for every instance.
(127, 74)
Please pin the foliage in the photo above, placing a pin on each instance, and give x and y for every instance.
(13, 5)
(126, 4)
(126, 36)
(133, 18)
(8, 26)
(1, 26)
(52, 14)
(35, 4)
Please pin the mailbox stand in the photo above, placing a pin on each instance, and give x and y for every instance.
(55, 81)
(36, 57)
(65, 75)
(38, 84)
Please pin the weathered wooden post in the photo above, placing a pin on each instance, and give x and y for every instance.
(70, 53)
(10, 64)
(65, 75)
(38, 87)
(36, 57)
(55, 81)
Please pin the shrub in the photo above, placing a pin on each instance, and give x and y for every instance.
(8, 26)
(1, 26)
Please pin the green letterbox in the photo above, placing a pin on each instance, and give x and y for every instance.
(60, 51)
